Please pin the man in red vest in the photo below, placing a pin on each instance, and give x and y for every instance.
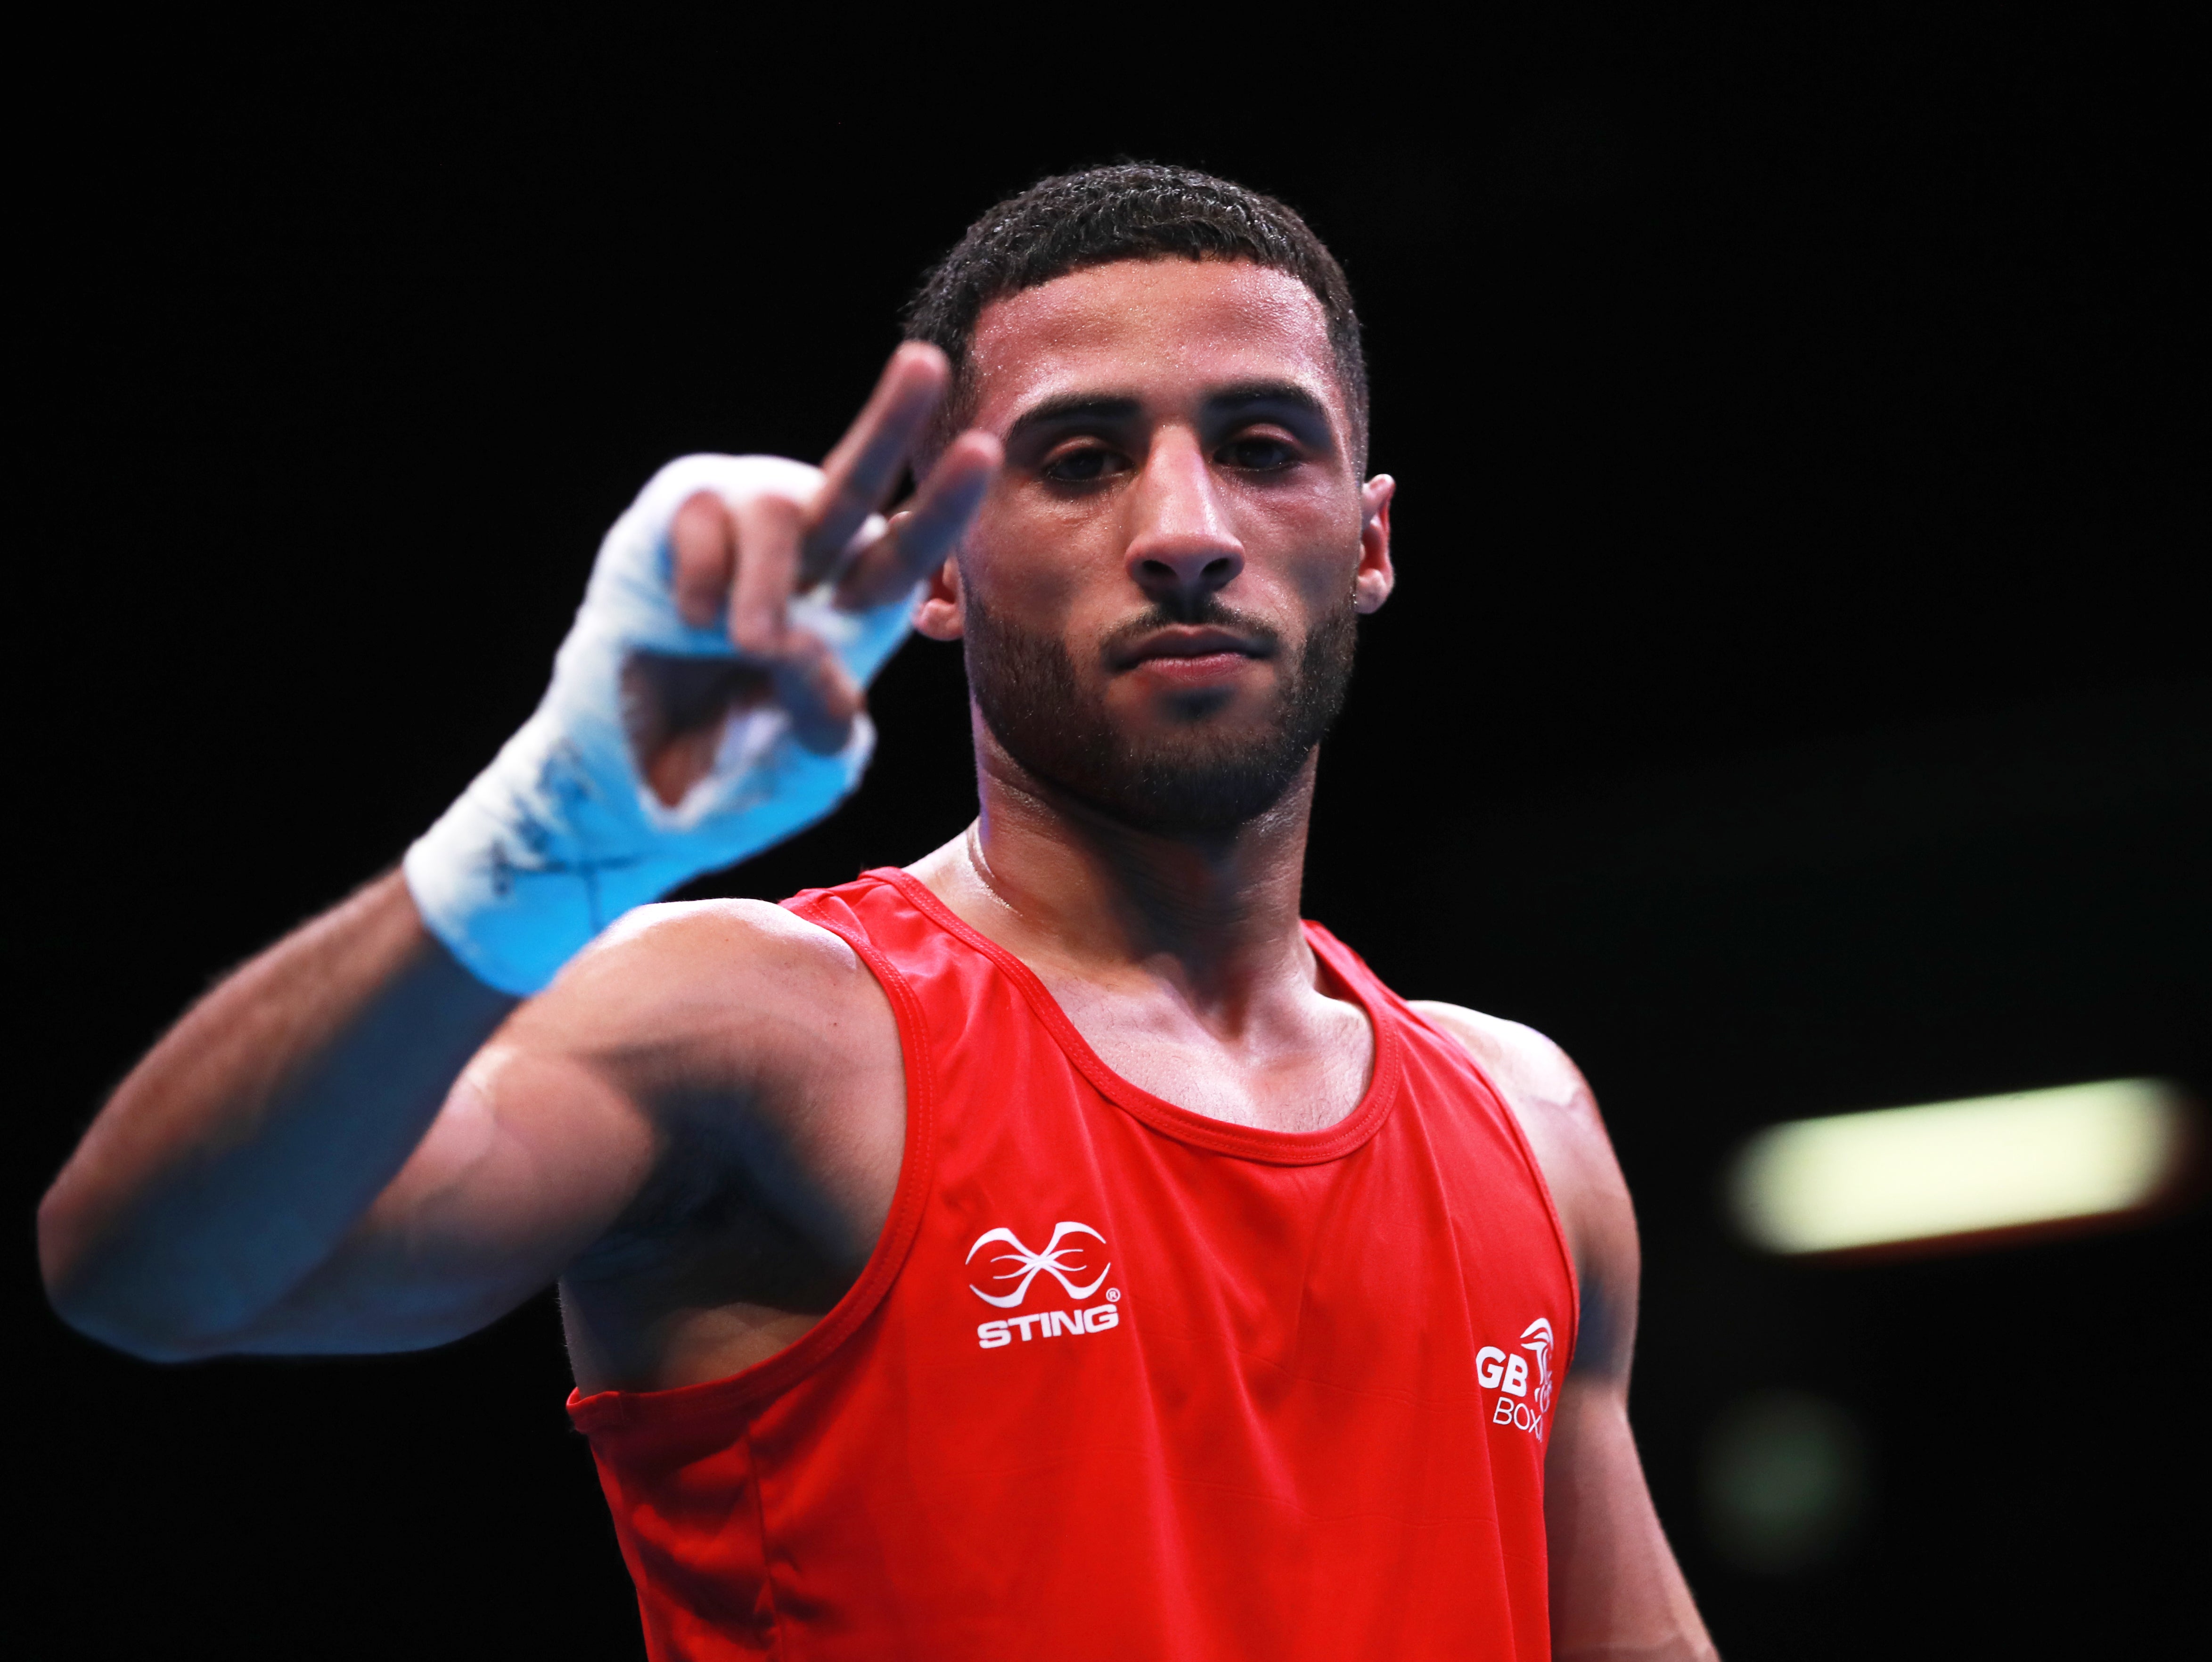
(1056, 1249)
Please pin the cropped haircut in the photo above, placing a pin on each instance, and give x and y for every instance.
(1131, 210)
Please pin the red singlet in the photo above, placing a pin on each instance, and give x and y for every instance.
(1120, 1380)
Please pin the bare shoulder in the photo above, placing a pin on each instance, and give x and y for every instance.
(744, 972)
(1548, 1095)
(708, 1016)
(1541, 1083)
(730, 944)
(1558, 1114)
(1542, 1086)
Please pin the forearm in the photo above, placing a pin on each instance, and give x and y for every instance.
(1617, 1593)
(238, 1153)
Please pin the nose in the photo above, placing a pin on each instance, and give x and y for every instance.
(1181, 548)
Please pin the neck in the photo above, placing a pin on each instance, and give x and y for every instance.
(1052, 878)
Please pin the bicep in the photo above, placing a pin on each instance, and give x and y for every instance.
(530, 1159)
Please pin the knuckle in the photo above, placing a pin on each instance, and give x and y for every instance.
(775, 509)
(701, 505)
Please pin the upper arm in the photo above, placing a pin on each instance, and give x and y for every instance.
(554, 1128)
(1559, 1116)
(531, 1158)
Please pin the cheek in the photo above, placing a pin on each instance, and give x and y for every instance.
(1034, 558)
(1311, 538)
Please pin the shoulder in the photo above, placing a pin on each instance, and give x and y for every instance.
(1546, 1093)
(724, 955)
(727, 939)
(1558, 1114)
(729, 993)
(1541, 1084)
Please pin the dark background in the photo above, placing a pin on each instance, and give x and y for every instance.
(1795, 699)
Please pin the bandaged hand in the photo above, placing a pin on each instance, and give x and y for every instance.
(707, 701)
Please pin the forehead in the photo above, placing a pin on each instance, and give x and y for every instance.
(1165, 330)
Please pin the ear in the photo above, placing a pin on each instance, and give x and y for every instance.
(1376, 577)
(942, 612)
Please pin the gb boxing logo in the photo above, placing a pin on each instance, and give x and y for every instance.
(1508, 1375)
(1064, 1264)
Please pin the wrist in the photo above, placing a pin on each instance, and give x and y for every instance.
(545, 849)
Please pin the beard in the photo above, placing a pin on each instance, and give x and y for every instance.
(1196, 778)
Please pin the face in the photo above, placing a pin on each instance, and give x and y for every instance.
(1157, 596)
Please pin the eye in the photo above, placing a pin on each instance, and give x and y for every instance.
(1257, 452)
(1082, 466)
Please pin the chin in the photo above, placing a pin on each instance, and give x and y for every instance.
(1204, 713)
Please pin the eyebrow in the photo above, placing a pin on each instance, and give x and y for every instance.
(1108, 408)
(1101, 408)
(1247, 393)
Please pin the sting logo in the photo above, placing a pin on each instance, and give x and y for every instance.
(1054, 1261)
(1063, 1260)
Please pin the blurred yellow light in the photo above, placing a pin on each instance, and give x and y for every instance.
(1952, 1168)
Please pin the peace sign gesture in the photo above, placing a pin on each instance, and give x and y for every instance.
(706, 703)
(742, 551)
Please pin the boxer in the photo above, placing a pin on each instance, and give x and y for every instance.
(1057, 1248)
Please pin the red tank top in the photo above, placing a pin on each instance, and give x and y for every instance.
(1120, 1380)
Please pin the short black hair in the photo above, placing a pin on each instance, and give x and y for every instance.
(1130, 210)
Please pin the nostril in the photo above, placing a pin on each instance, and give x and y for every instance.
(1195, 569)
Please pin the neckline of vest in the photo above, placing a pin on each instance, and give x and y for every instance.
(1253, 1143)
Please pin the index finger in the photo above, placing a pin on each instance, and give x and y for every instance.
(859, 475)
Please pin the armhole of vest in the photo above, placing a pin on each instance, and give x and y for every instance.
(612, 1411)
(1406, 1012)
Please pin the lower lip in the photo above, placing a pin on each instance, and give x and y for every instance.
(1195, 672)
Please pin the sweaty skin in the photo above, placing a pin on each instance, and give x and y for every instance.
(698, 1128)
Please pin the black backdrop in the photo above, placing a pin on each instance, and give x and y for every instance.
(1793, 700)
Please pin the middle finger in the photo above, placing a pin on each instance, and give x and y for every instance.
(859, 473)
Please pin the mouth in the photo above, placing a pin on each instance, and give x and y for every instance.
(1191, 653)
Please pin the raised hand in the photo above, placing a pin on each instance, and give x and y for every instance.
(744, 550)
(708, 700)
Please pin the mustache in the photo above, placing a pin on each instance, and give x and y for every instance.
(1207, 612)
